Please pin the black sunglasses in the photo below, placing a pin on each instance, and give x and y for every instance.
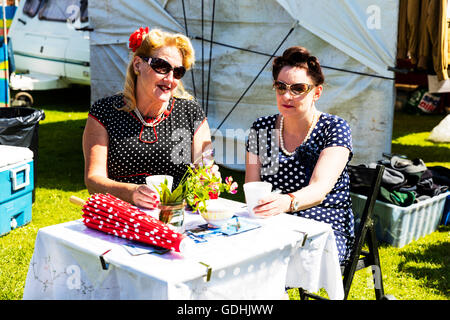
(295, 89)
(161, 66)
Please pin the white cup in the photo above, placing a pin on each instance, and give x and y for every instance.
(254, 191)
(154, 182)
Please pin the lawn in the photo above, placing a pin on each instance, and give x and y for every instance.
(418, 271)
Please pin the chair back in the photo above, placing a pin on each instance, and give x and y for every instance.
(366, 181)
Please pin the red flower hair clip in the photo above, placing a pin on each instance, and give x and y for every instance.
(136, 38)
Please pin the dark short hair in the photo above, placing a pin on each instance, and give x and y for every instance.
(299, 57)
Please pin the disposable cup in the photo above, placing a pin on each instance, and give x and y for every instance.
(154, 182)
(254, 191)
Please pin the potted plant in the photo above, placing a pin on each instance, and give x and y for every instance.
(198, 185)
(205, 183)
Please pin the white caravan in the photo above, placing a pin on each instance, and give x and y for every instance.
(50, 41)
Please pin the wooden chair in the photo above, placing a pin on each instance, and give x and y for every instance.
(369, 180)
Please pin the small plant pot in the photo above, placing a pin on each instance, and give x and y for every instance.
(173, 214)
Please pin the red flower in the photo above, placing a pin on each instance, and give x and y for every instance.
(136, 38)
(213, 195)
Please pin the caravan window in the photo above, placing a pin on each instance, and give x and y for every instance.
(61, 10)
(31, 7)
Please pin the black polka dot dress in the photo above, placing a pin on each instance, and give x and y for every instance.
(291, 173)
(136, 151)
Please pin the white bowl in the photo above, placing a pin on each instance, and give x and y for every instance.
(217, 214)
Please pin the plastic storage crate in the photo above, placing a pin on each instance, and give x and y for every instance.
(16, 186)
(399, 226)
(446, 215)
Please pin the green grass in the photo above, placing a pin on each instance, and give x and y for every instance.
(410, 138)
(59, 170)
(418, 271)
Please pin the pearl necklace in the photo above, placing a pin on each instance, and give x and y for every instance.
(146, 124)
(310, 129)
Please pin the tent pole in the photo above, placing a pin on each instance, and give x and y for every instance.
(203, 62)
(260, 71)
(210, 56)
(187, 35)
(323, 66)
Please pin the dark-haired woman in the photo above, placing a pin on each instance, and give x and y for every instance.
(303, 152)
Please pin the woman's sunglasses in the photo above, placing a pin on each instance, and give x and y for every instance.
(295, 89)
(161, 66)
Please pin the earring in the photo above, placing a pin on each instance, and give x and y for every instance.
(137, 73)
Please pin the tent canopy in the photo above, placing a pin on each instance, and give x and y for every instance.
(354, 42)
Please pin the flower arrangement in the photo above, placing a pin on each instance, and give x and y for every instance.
(198, 185)
(136, 37)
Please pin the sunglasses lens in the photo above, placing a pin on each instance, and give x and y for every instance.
(280, 86)
(160, 65)
(299, 88)
(179, 72)
(163, 67)
(295, 89)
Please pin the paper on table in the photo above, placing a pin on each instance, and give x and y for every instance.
(202, 233)
(135, 249)
(240, 225)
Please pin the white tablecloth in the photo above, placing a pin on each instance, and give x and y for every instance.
(257, 264)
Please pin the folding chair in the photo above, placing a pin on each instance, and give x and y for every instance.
(369, 180)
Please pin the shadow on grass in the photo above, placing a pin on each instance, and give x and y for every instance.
(405, 124)
(427, 154)
(75, 98)
(418, 265)
(60, 163)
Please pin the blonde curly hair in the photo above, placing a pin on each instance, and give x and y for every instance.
(152, 41)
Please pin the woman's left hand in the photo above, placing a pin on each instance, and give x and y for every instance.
(272, 205)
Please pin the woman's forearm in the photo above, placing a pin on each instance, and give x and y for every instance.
(100, 184)
(311, 195)
(329, 167)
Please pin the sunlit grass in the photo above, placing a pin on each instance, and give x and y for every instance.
(410, 138)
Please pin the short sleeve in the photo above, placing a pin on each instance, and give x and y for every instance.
(196, 114)
(252, 144)
(339, 134)
(103, 110)
(259, 137)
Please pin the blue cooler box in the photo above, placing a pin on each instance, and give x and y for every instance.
(16, 186)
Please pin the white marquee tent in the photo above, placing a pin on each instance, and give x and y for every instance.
(355, 42)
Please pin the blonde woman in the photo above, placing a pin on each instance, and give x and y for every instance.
(152, 127)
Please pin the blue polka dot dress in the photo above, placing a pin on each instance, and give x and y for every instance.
(291, 173)
(136, 151)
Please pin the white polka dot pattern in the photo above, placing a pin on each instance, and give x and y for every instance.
(292, 173)
(109, 214)
(136, 151)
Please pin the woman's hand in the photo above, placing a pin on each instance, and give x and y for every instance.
(272, 205)
(145, 197)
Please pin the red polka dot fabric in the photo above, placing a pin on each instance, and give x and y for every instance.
(111, 215)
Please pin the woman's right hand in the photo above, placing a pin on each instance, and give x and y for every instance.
(145, 197)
